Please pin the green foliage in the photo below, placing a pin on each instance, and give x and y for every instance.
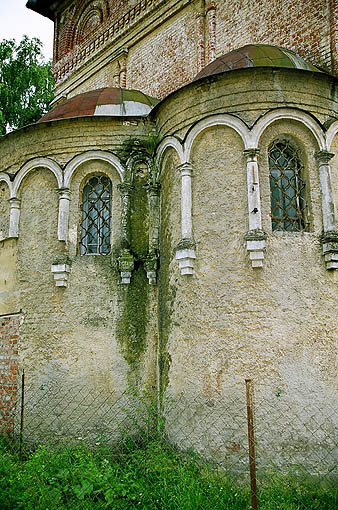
(26, 83)
(149, 475)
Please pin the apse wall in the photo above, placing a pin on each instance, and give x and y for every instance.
(84, 341)
(228, 321)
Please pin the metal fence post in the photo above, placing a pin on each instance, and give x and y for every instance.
(22, 413)
(251, 440)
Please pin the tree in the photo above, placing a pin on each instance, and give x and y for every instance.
(26, 83)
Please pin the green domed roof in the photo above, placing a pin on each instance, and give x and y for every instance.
(256, 55)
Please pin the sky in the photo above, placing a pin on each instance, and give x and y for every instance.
(16, 20)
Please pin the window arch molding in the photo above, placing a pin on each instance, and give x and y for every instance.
(78, 160)
(287, 114)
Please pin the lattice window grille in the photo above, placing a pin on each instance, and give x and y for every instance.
(287, 186)
(96, 216)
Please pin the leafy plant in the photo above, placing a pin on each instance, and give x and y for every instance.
(149, 474)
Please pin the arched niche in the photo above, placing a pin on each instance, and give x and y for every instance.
(334, 170)
(4, 205)
(86, 169)
(219, 191)
(97, 155)
(37, 232)
(291, 114)
(170, 180)
(216, 120)
(306, 142)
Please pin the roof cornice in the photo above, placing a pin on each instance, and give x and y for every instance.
(43, 7)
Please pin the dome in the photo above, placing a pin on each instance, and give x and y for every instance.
(111, 101)
(256, 55)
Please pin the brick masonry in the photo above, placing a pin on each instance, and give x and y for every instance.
(9, 368)
(168, 42)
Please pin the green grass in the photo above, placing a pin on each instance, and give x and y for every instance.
(152, 475)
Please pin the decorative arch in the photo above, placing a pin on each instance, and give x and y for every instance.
(87, 17)
(132, 162)
(5, 177)
(287, 113)
(331, 132)
(74, 163)
(174, 143)
(216, 120)
(48, 163)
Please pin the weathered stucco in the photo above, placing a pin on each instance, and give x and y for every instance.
(194, 338)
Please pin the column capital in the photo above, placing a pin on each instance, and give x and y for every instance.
(186, 169)
(323, 157)
(252, 152)
(153, 188)
(15, 202)
(124, 188)
(63, 193)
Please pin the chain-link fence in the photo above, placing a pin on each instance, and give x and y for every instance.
(281, 446)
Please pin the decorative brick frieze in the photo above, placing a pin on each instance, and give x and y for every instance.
(104, 35)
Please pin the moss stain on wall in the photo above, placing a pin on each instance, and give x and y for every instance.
(133, 321)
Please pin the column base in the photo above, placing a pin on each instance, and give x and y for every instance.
(329, 242)
(60, 273)
(255, 245)
(185, 254)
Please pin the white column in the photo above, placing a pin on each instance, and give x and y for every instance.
(328, 210)
(14, 217)
(186, 200)
(255, 240)
(185, 251)
(330, 235)
(254, 201)
(64, 199)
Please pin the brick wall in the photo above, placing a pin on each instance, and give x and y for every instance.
(167, 58)
(300, 25)
(9, 336)
(67, 23)
(170, 41)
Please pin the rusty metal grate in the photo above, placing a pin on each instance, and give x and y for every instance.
(287, 188)
(96, 216)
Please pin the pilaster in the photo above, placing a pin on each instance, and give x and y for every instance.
(255, 238)
(14, 217)
(185, 250)
(63, 219)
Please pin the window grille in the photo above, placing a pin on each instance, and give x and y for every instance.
(96, 216)
(287, 188)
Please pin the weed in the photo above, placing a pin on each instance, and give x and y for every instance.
(143, 474)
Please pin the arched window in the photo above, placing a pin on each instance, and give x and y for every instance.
(287, 186)
(96, 216)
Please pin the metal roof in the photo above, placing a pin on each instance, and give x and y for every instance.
(256, 55)
(111, 101)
